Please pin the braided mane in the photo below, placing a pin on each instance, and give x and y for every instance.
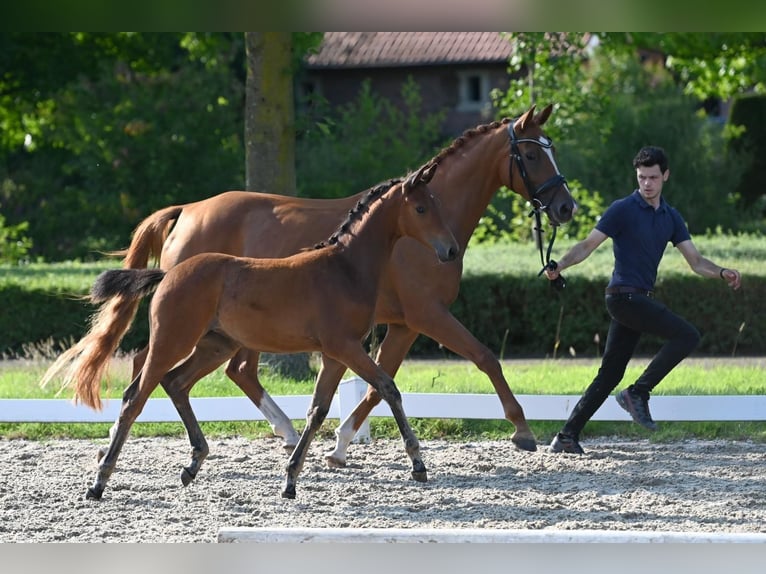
(467, 135)
(376, 191)
(358, 210)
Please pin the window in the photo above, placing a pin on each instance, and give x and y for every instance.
(474, 91)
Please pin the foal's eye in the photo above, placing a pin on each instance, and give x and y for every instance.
(420, 209)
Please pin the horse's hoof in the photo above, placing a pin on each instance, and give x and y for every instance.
(334, 462)
(289, 448)
(420, 475)
(288, 493)
(186, 476)
(93, 494)
(525, 442)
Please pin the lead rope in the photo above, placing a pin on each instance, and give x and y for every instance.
(559, 283)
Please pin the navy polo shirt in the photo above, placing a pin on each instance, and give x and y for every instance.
(640, 235)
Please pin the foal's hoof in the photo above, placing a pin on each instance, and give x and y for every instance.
(289, 448)
(187, 476)
(420, 475)
(525, 442)
(93, 494)
(334, 461)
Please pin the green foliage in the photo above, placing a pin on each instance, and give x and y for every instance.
(749, 113)
(14, 244)
(155, 121)
(629, 106)
(351, 148)
(708, 65)
(509, 218)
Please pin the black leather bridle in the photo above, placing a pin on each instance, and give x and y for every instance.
(535, 197)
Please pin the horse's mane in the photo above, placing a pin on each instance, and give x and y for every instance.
(467, 135)
(376, 191)
(358, 210)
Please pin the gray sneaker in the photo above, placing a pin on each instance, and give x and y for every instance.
(637, 407)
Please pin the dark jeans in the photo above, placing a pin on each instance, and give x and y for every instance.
(634, 314)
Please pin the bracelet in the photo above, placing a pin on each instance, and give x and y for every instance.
(721, 272)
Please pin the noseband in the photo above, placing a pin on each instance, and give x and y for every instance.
(535, 197)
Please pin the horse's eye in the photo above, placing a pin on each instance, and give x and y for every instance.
(530, 156)
(420, 209)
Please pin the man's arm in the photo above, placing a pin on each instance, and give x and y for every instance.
(577, 253)
(703, 266)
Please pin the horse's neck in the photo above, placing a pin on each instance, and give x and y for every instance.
(468, 178)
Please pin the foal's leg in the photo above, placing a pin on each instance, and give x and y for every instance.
(243, 370)
(327, 381)
(133, 401)
(359, 362)
(391, 353)
(211, 352)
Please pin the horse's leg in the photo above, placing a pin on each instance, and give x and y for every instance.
(358, 361)
(440, 325)
(243, 370)
(211, 352)
(391, 353)
(327, 381)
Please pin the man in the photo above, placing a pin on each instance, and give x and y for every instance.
(640, 226)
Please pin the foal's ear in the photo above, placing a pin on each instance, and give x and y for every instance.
(423, 175)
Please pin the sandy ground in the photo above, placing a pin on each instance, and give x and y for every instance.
(694, 486)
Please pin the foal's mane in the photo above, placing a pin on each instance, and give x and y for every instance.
(468, 135)
(355, 213)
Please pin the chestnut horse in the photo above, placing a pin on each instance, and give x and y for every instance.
(415, 293)
(322, 299)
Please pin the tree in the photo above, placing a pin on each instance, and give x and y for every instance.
(269, 113)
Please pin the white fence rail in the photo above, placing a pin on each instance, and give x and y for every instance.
(416, 405)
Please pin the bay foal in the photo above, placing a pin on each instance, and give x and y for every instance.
(322, 299)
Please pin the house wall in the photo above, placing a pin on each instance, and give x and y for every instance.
(440, 88)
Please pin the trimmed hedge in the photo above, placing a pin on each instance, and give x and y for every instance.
(514, 315)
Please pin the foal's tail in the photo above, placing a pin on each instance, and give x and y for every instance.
(83, 365)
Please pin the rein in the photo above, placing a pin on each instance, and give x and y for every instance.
(535, 197)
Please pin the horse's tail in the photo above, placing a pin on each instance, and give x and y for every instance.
(148, 238)
(83, 365)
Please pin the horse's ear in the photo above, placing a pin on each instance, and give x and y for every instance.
(523, 121)
(543, 116)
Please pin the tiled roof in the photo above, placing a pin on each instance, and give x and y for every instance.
(381, 49)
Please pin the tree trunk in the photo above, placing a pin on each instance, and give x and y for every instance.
(269, 113)
(270, 142)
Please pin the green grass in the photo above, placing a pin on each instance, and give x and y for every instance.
(563, 376)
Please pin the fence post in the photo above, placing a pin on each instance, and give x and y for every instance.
(350, 392)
